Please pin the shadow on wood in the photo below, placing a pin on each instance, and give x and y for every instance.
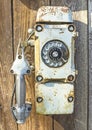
(34, 4)
(78, 120)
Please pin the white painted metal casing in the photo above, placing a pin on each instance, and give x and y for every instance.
(55, 98)
(49, 34)
(54, 14)
(55, 90)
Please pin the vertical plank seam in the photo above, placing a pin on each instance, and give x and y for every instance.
(50, 2)
(12, 27)
(12, 22)
(53, 122)
(88, 9)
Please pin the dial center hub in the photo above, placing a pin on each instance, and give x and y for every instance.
(55, 54)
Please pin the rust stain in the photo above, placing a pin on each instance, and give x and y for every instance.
(50, 99)
(29, 99)
(68, 106)
(51, 10)
(70, 94)
(65, 9)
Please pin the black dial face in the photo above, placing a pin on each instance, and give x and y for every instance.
(55, 53)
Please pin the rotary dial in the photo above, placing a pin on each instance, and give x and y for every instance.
(55, 53)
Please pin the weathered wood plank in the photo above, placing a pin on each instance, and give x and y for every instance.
(57, 125)
(78, 120)
(6, 58)
(90, 64)
(24, 18)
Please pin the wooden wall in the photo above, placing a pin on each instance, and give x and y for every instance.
(16, 16)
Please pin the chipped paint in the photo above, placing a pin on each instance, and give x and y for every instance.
(54, 14)
(54, 89)
(60, 73)
(54, 99)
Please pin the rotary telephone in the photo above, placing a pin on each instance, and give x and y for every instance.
(54, 44)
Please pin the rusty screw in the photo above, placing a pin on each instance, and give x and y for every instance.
(19, 57)
(70, 78)
(70, 99)
(39, 99)
(39, 78)
(71, 28)
(39, 28)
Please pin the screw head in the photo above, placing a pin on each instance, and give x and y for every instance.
(19, 57)
(39, 28)
(39, 99)
(70, 78)
(28, 71)
(71, 28)
(70, 99)
(39, 78)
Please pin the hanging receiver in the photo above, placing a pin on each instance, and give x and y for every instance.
(21, 109)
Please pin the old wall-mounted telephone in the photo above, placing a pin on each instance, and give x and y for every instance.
(54, 39)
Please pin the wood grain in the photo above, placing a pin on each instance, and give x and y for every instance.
(6, 59)
(24, 18)
(78, 120)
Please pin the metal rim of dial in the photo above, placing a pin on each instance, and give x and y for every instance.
(55, 53)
